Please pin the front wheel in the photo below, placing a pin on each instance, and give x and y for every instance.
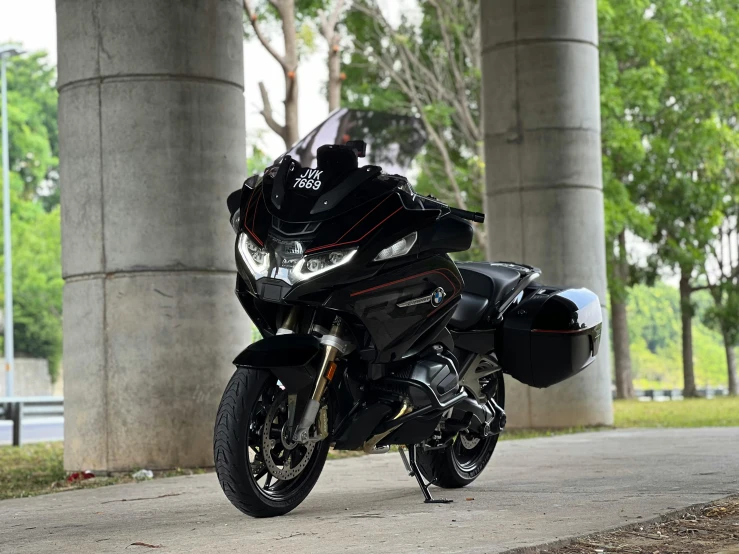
(462, 462)
(261, 471)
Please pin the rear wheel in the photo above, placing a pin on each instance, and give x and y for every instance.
(460, 463)
(261, 471)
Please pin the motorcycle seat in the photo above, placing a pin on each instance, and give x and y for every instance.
(486, 286)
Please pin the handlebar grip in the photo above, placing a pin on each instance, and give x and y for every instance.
(477, 217)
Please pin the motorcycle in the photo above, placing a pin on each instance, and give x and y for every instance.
(372, 335)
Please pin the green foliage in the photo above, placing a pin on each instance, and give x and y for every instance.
(468, 171)
(682, 179)
(257, 161)
(655, 335)
(631, 81)
(37, 282)
(428, 70)
(723, 315)
(32, 118)
(35, 215)
(306, 15)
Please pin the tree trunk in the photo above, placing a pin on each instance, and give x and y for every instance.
(731, 365)
(686, 313)
(621, 351)
(291, 111)
(291, 135)
(334, 76)
(619, 318)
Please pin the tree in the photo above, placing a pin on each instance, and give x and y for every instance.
(37, 282)
(296, 19)
(37, 275)
(679, 180)
(430, 70)
(722, 275)
(655, 329)
(329, 20)
(285, 12)
(33, 132)
(631, 82)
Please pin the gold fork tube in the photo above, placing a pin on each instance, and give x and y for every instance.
(329, 355)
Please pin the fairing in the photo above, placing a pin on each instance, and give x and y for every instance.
(317, 202)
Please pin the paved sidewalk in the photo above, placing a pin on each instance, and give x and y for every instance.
(535, 491)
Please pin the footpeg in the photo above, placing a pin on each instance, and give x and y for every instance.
(413, 471)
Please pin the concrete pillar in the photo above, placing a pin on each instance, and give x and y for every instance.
(152, 138)
(544, 194)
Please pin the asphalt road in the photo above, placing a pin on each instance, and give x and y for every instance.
(535, 491)
(34, 430)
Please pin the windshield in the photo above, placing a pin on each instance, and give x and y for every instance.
(392, 140)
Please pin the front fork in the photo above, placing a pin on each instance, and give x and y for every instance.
(333, 346)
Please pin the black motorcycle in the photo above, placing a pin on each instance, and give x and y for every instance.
(373, 336)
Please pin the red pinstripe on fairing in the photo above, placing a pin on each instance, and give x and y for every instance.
(246, 217)
(334, 245)
(436, 271)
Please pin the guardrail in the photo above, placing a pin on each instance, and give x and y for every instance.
(16, 408)
(675, 394)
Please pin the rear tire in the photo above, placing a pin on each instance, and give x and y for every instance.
(457, 465)
(251, 401)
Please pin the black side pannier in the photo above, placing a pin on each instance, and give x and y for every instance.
(551, 335)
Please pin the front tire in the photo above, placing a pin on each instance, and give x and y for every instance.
(251, 450)
(463, 461)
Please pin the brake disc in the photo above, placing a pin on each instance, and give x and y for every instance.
(467, 442)
(271, 447)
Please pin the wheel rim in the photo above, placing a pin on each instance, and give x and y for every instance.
(469, 451)
(467, 459)
(278, 468)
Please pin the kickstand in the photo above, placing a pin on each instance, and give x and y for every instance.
(413, 471)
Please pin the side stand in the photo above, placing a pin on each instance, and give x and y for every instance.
(412, 467)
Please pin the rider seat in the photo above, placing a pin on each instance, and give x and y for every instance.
(486, 286)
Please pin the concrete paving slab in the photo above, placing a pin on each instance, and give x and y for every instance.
(535, 491)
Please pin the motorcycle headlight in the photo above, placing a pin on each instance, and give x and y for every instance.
(307, 268)
(400, 248)
(256, 257)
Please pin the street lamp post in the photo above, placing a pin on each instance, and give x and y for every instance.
(7, 51)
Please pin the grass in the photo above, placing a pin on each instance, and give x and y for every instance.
(517, 434)
(30, 469)
(692, 412)
(35, 469)
(38, 468)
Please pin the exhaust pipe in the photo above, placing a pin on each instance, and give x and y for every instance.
(369, 446)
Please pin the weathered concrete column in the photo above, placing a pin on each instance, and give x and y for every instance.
(151, 122)
(543, 168)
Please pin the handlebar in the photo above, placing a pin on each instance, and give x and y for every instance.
(477, 217)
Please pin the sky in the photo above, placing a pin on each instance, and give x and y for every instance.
(33, 23)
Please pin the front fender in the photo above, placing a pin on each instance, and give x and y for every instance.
(291, 358)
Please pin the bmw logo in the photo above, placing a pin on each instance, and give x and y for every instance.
(437, 297)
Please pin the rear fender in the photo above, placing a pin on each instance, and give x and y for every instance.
(291, 358)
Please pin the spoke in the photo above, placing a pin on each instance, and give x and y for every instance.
(268, 481)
